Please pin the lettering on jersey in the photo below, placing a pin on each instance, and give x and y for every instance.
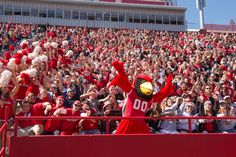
(140, 105)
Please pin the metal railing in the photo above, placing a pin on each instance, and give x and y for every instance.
(107, 119)
(3, 133)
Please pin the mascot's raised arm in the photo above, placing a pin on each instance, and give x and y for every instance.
(139, 98)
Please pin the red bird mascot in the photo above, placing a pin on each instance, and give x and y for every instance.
(139, 99)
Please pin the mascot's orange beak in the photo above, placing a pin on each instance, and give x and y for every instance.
(146, 88)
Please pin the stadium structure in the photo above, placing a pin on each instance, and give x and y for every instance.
(131, 14)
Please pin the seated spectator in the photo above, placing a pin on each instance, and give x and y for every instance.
(32, 127)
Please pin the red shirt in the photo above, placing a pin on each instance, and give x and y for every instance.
(8, 102)
(208, 126)
(36, 110)
(52, 125)
(88, 124)
(68, 127)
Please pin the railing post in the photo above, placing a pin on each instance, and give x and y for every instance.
(4, 137)
(107, 126)
(190, 125)
(15, 127)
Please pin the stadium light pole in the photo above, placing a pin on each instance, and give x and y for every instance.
(200, 4)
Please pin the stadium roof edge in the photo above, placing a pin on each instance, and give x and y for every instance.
(117, 4)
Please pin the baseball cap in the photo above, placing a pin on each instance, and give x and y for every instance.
(226, 97)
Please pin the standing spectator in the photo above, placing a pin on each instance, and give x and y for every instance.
(88, 126)
(208, 125)
(7, 96)
(154, 111)
(53, 127)
(70, 98)
(225, 125)
(32, 127)
(187, 109)
(108, 111)
(169, 108)
(69, 126)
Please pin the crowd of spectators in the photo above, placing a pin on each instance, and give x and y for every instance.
(64, 71)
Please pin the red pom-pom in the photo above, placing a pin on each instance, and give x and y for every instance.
(18, 55)
(53, 64)
(24, 52)
(60, 52)
(33, 89)
(4, 62)
(11, 47)
(24, 45)
(17, 61)
(26, 78)
(28, 61)
(29, 50)
(7, 55)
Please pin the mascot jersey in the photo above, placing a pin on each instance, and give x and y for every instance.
(134, 105)
(139, 99)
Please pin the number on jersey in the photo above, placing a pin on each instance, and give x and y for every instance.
(140, 105)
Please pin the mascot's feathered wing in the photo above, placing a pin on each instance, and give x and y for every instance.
(139, 98)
